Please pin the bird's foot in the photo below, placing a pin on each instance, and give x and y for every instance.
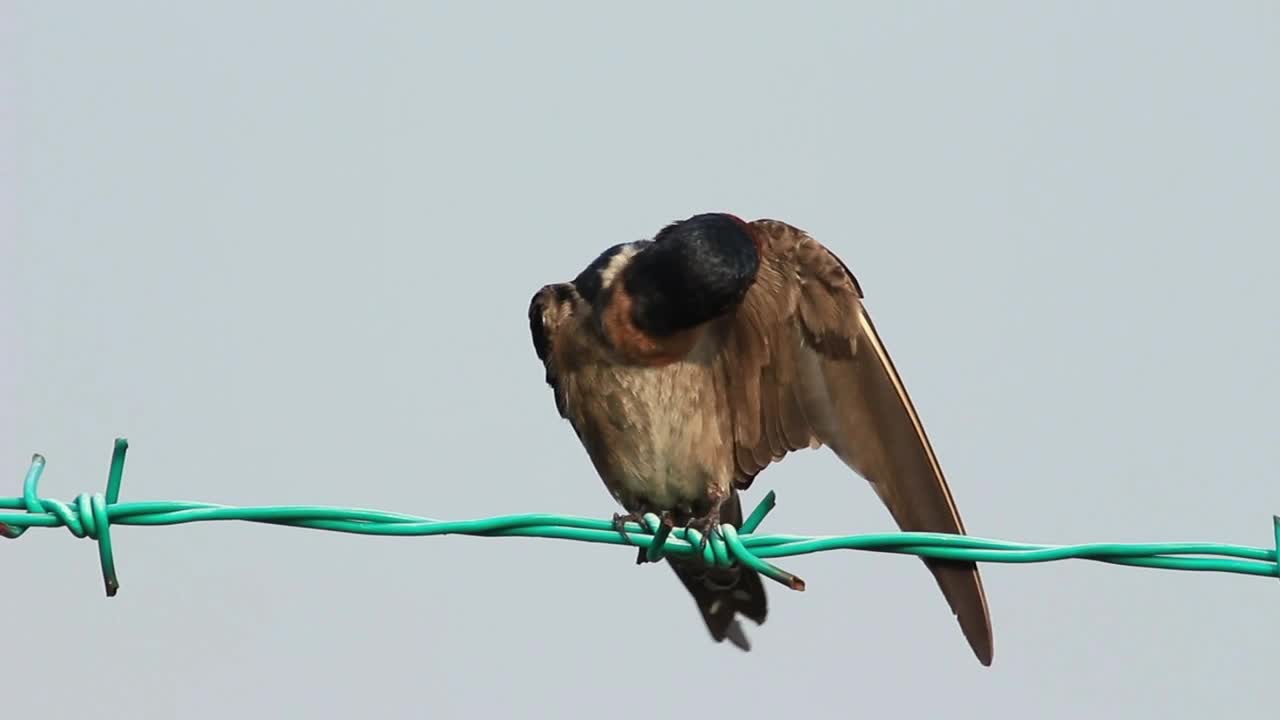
(707, 524)
(619, 524)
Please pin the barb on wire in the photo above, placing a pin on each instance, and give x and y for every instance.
(93, 515)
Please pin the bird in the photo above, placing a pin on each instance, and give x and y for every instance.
(689, 362)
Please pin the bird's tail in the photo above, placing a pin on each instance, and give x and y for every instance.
(724, 593)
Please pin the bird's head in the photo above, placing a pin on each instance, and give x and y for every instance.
(649, 299)
(550, 307)
(695, 270)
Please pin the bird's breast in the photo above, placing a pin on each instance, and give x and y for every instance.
(658, 436)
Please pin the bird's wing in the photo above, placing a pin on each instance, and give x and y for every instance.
(804, 366)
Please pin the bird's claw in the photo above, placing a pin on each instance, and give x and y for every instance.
(620, 522)
(707, 524)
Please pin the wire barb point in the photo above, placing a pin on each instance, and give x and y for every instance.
(661, 533)
(1275, 522)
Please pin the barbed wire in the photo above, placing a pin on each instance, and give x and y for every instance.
(93, 516)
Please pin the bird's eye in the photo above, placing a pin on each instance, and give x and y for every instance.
(538, 327)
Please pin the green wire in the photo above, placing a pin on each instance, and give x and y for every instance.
(93, 515)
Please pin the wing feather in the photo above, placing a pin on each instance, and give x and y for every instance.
(804, 366)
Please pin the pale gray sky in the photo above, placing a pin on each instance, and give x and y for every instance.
(286, 248)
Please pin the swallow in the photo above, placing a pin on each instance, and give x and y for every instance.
(688, 363)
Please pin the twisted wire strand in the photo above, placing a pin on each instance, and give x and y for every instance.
(93, 515)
